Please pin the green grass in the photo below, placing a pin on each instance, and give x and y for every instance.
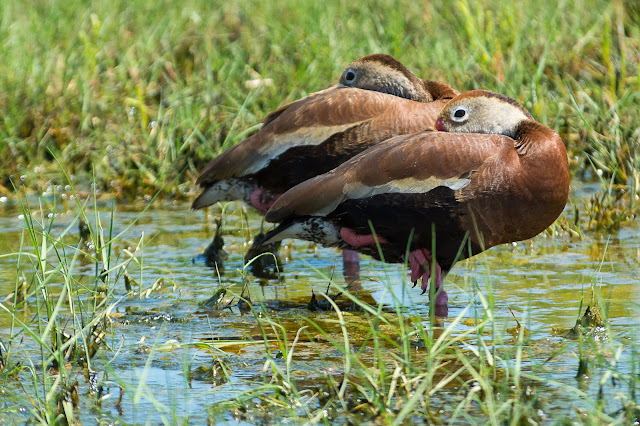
(146, 93)
(135, 97)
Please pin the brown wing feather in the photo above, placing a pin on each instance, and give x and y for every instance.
(404, 162)
(300, 163)
(312, 120)
(275, 114)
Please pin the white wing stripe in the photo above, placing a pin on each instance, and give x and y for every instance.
(408, 185)
(357, 190)
(304, 136)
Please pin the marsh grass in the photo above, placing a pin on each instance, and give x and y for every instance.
(146, 93)
(397, 369)
(65, 329)
(56, 310)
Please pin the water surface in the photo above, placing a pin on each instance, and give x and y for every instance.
(545, 282)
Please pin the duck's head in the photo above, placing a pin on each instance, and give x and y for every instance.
(382, 73)
(482, 111)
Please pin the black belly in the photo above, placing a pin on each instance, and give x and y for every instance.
(407, 221)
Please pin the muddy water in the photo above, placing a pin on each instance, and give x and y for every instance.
(544, 282)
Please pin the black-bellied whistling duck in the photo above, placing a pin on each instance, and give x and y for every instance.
(490, 175)
(376, 98)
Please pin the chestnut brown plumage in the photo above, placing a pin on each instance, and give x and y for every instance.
(491, 175)
(377, 98)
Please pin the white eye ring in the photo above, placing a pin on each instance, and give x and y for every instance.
(349, 76)
(460, 114)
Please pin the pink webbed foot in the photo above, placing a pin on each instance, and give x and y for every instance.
(263, 200)
(420, 262)
(417, 258)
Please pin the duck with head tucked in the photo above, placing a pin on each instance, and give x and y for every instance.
(489, 175)
(376, 98)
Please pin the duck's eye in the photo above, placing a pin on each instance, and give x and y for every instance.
(459, 114)
(349, 76)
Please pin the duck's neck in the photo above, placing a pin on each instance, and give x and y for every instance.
(439, 90)
(544, 159)
(532, 137)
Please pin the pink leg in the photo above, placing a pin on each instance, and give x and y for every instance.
(350, 265)
(262, 200)
(350, 237)
(350, 258)
(420, 261)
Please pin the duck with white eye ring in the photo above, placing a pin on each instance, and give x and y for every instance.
(376, 98)
(459, 115)
(349, 76)
(490, 175)
(382, 73)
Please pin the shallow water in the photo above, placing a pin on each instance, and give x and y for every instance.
(545, 282)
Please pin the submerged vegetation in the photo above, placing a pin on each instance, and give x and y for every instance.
(118, 100)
